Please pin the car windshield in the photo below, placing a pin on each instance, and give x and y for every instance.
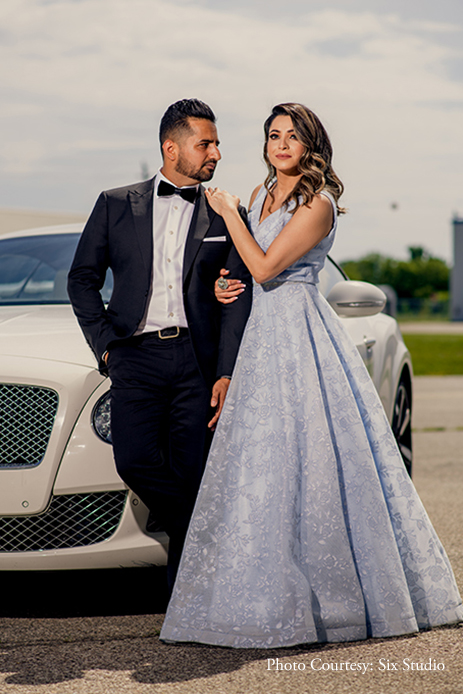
(34, 269)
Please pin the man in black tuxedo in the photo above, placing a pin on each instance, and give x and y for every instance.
(168, 345)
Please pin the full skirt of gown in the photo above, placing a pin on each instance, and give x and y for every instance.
(307, 527)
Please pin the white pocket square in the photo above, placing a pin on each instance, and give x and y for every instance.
(214, 238)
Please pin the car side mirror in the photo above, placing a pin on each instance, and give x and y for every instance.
(353, 298)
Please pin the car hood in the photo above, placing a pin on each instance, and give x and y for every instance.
(44, 332)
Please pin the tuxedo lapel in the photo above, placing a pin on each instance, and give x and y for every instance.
(141, 204)
(200, 223)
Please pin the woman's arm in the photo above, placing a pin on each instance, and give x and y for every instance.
(307, 227)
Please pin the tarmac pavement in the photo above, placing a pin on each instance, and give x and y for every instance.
(113, 651)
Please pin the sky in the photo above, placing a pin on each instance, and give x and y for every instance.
(84, 83)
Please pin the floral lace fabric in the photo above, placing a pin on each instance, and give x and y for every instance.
(307, 527)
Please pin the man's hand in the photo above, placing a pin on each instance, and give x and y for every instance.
(219, 391)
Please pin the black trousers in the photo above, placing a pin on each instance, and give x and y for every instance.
(160, 406)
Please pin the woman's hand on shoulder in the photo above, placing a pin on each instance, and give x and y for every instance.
(222, 201)
(230, 293)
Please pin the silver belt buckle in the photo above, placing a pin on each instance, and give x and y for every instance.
(169, 337)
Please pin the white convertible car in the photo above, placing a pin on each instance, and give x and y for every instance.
(62, 503)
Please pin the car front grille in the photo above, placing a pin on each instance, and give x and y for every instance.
(27, 414)
(73, 520)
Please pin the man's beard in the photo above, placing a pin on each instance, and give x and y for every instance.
(184, 168)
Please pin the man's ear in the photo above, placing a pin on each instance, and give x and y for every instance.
(170, 150)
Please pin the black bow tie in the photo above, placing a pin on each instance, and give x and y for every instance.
(165, 189)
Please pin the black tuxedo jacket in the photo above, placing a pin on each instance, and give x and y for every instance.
(119, 235)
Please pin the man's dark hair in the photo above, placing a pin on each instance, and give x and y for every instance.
(176, 117)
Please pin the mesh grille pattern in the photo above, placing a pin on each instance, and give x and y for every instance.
(73, 520)
(27, 414)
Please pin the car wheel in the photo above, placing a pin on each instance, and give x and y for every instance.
(402, 423)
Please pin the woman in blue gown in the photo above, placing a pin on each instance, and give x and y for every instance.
(307, 527)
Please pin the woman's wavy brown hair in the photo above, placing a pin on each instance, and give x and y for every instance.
(315, 164)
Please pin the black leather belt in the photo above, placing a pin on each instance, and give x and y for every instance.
(155, 335)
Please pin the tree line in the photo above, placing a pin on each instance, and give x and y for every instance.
(421, 276)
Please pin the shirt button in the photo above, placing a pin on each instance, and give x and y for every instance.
(168, 260)
(175, 208)
(171, 315)
(170, 286)
(171, 232)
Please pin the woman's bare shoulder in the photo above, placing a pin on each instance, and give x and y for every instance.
(318, 211)
(319, 201)
(320, 205)
(254, 195)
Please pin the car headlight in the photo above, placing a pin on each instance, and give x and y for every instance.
(101, 418)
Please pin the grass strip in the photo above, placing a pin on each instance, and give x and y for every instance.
(435, 355)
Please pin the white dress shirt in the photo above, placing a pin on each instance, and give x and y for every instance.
(171, 221)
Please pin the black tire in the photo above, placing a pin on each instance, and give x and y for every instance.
(402, 421)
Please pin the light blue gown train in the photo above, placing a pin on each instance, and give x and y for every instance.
(307, 527)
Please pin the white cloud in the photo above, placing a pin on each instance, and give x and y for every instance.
(435, 27)
(23, 156)
(97, 52)
(101, 68)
